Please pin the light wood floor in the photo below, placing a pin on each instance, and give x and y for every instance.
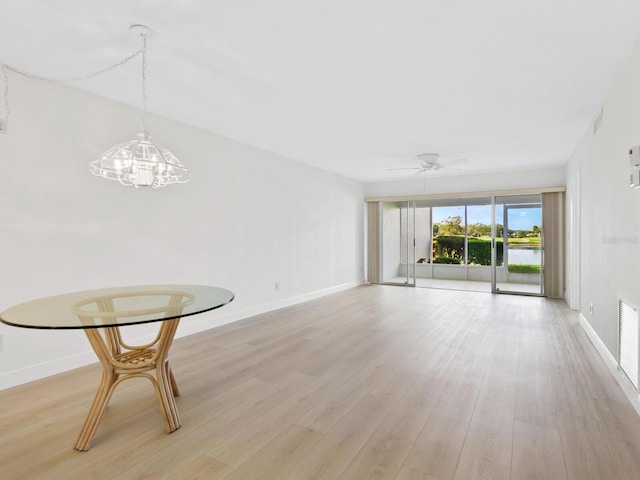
(376, 382)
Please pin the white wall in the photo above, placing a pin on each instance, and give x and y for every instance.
(609, 211)
(436, 183)
(247, 220)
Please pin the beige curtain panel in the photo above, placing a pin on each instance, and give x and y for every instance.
(553, 243)
(373, 242)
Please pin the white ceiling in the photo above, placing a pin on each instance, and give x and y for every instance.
(352, 86)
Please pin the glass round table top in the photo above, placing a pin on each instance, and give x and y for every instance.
(117, 306)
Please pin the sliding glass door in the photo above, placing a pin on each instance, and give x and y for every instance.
(518, 245)
(489, 244)
(398, 262)
(460, 242)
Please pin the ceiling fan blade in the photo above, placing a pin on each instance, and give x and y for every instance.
(458, 161)
(431, 162)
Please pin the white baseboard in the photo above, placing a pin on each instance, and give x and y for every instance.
(194, 325)
(612, 364)
(203, 323)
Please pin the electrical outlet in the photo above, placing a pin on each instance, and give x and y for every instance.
(591, 309)
(277, 286)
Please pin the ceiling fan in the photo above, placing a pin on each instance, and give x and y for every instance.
(430, 162)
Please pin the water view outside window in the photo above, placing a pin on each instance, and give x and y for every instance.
(463, 236)
(524, 253)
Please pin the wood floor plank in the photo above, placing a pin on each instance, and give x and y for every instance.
(490, 435)
(240, 439)
(334, 405)
(278, 456)
(619, 423)
(197, 440)
(335, 451)
(438, 447)
(409, 474)
(472, 468)
(587, 449)
(535, 385)
(202, 468)
(387, 448)
(537, 453)
(375, 382)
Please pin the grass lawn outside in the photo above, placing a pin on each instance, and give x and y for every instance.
(519, 242)
(525, 242)
(524, 268)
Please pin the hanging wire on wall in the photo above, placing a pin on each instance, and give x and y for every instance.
(4, 123)
(138, 162)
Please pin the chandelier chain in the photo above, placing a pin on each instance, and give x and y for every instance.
(88, 76)
(144, 83)
(8, 68)
(5, 83)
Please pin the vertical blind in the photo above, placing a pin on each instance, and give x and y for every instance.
(373, 242)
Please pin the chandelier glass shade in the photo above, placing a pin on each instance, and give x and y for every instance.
(140, 162)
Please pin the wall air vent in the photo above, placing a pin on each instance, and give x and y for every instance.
(628, 329)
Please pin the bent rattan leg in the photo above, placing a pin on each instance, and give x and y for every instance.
(174, 385)
(166, 398)
(98, 407)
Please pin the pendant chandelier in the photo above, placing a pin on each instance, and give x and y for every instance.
(141, 162)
